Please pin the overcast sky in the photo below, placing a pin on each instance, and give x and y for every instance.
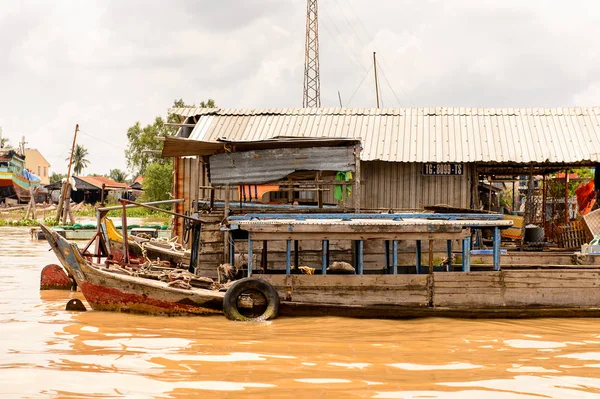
(107, 64)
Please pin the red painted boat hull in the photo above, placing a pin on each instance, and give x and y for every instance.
(106, 290)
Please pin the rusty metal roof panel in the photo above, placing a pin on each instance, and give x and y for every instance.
(269, 165)
(558, 135)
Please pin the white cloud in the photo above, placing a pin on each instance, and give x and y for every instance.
(108, 64)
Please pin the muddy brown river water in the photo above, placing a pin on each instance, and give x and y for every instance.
(46, 351)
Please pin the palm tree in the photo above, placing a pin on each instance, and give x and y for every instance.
(117, 175)
(79, 160)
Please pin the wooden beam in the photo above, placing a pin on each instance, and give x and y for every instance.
(282, 236)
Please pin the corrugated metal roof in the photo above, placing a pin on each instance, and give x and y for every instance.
(436, 134)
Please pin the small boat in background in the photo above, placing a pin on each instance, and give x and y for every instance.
(15, 180)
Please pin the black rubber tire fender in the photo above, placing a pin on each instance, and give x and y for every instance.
(231, 296)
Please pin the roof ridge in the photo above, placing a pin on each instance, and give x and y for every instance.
(425, 111)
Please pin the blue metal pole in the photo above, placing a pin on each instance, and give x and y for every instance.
(249, 257)
(387, 257)
(288, 257)
(449, 255)
(325, 250)
(496, 249)
(395, 257)
(354, 216)
(466, 254)
(418, 262)
(359, 257)
(231, 251)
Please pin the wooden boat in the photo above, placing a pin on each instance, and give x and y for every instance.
(142, 248)
(106, 289)
(452, 290)
(15, 180)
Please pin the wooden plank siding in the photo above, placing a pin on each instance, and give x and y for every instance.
(384, 186)
(517, 289)
(401, 186)
(399, 290)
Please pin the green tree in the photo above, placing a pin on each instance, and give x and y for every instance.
(117, 175)
(79, 159)
(57, 177)
(143, 153)
(158, 181)
(558, 187)
(144, 147)
(208, 104)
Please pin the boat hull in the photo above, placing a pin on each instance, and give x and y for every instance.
(106, 290)
(13, 186)
(502, 294)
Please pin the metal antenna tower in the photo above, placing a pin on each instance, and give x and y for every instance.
(312, 83)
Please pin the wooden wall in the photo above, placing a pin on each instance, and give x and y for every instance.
(385, 186)
(402, 186)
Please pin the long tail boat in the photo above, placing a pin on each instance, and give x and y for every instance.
(112, 291)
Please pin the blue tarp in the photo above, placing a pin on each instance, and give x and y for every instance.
(30, 176)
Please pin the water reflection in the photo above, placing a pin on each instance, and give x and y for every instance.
(48, 352)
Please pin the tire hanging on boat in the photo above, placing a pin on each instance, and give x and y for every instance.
(247, 285)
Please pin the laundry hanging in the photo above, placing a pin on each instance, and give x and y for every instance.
(338, 189)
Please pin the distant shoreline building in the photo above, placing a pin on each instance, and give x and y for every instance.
(37, 164)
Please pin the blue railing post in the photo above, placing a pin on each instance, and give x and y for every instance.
(395, 257)
(418, 256)
(359, 257)
(324, 251)
(496, 249)
(466, 254)
(288, 257)
(249, 256)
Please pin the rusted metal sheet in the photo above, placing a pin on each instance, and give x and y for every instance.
(181, 146)
(256, 167)
(556, 135)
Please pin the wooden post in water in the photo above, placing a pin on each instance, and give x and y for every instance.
(31, 205)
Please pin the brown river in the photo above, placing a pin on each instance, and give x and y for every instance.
(46, 351)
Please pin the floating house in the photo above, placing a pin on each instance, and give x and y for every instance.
(411, 159)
